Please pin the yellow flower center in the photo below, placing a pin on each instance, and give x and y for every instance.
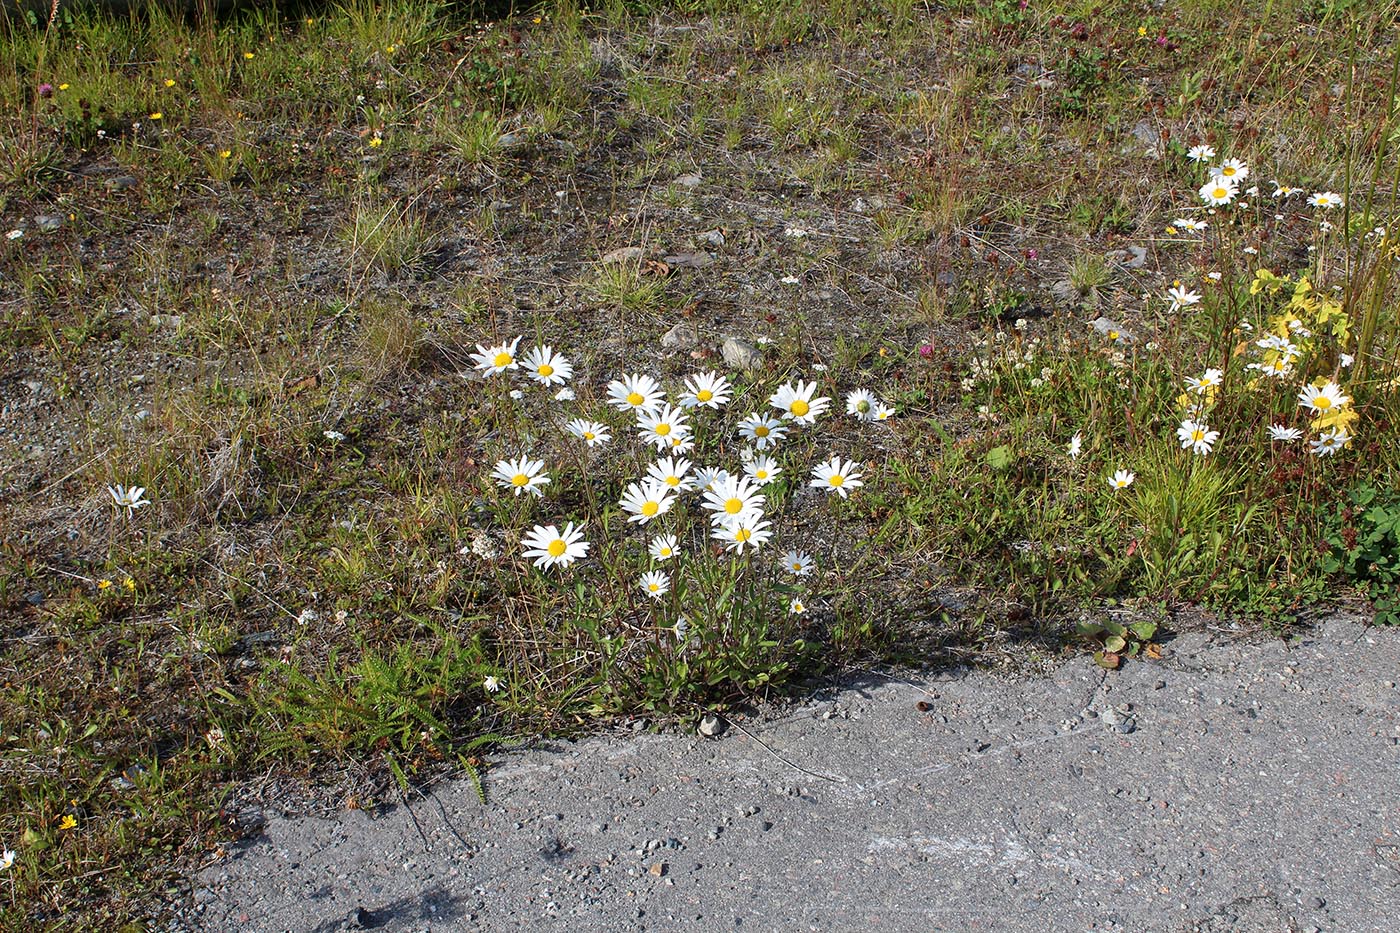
(663, 429)
(504, 359)
(1220, 193)
(799, 407)
(760, 474)
(734, 506)
(743, 534)
(650, 508)
(545, 370)
(665, 552)
(1322, 402)
(704, 395)
(557, 547)
(673, 481)
(1228, 171)
(654, 587)
(1197, 434)
(760, 431)
(635, 398)
(836, 479)
(588, 435)
(796, 567)
(520, 479)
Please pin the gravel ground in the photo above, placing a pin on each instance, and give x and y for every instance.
(1231, 786)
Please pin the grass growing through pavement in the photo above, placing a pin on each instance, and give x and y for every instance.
(248, 263)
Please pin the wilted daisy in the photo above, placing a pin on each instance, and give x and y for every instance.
(862, 404)
(1122, 479)
(1180, 296)
(1217, 191)
(762, 431)
(745, 531)
(131, 498)
(1232, 170)
(1196, 436)
(798, 563)
(660, 425)
(497, 359)
(521, 476)
(671, 472)
(655, 584)
(1284, 191)
(644, 501)
(708, 389)
(1322, 400)
(1330, 441)
(492, 684)
(762, 470)
(797, 606)
(734, 497)
(1279, 432)
(1202, 153)
(565, 394)
(1210, 379)
(681, 628)
(1325, 199)
(592, 433)
(797, 402)
(549, 546)
(634, 393)
(836, 476)
(547, 367)
(1075, 446)
(664, 548)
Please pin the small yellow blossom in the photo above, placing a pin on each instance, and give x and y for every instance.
(1142, 30)
(391, 49)
(63, 87)
(104, 584)
(69, 821)
(169, 82)
(157, 115)
(225, 153)
(376, 142)
(247, 54)
(129, 585)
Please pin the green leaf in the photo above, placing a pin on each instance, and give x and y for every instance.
(999, 458)
(1114, 644)
(1144, 630)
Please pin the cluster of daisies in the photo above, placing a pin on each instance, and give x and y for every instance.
(734, 502)
(1223, 186)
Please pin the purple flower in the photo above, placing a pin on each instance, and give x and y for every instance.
(46, 90)
(926, 351)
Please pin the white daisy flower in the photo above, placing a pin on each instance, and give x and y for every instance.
(521, 476)
(798, 563)
(1329, 442)
(1285, 434)
(655, 584)
(762, 431)
(708, 389)
(861, 403)
(334, 437)
(1201, 153)
(1196, 436)
(1232, 170)
(709, 478)
(1190, 226)
(796, 402)
(1325, 199)
(1181, 297)
(671, 472)
(734, 497)
(644, 501)
(681, 444)
(1122, 479)
(550, 547)
(492, 684)
(497, 359)
(748, 530)
(658, 426)
(883, 412)
(1076, 446)
(547, 367)
(634, 393)
(797, 607)
(762, 470)
(592, 433)
(1322, 400)
(1284, 191)
(1210, 379)
(836, 476)
(1217, 191)
(130, 499)
(664, 548)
